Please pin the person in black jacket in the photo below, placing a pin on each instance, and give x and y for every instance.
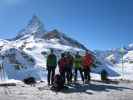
(69, 66)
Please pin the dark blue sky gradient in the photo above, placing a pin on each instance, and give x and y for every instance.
(99, 24)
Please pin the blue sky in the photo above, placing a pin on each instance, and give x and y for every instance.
(99, 24)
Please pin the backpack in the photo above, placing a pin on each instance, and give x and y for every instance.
(58, 83)
(104, 75)
(30, 81)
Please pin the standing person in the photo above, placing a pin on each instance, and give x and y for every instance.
(78, 66)
(69, 66)
(62, 66)
(87, 61)
(51, 66)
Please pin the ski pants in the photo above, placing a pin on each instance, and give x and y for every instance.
(63, 73)
(81, 74)
(87, 74)
(69, 73)
(51, 74)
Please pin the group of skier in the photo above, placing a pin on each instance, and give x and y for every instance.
(67, 65)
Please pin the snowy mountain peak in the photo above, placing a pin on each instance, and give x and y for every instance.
(35, 26)
(35, 29)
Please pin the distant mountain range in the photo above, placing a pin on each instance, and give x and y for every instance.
(115, 55)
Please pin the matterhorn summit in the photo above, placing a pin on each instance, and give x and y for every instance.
(34, 27)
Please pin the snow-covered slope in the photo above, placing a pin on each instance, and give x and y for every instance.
(114, 56)
(25, 55)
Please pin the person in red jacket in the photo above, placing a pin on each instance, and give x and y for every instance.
(62, 66)
(87, 61)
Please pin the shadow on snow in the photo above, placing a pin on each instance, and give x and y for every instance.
(89, 89)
